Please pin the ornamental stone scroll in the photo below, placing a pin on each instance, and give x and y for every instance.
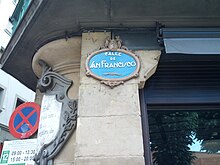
(54, 85)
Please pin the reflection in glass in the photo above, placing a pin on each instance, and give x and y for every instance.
(184, 137)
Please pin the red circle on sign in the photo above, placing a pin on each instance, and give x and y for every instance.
(24, 120)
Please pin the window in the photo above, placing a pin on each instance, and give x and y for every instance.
(1, 53)
(8, 32)
(2, 94)
(2, 50)
(15, 1)
(18, 102)
(8, 29)
(183, 111)
(186, 136)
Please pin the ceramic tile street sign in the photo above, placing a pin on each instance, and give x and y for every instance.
(113, 64)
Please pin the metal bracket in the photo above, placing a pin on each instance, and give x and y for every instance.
(52, 83)
(159, 31)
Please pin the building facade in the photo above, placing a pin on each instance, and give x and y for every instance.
(12, 92)
(166, 113)
(7, 8)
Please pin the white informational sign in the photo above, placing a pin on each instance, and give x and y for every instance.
(18, 152)
(49, 120)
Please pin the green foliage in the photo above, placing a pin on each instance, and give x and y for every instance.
(208, 131)
(171, 134)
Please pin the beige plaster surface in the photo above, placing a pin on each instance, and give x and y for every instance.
(62, 55)
(66, 156)
(119, 160)
(149, 61)
(104, 101)
(109, 130)
(90, 43)
(109, 127)
(109, 136)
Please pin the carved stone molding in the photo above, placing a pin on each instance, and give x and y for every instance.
(67, 68)
(52, 83)
(114, 44)
(112, 84)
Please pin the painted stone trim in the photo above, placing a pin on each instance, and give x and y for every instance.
(113, 64)
(52, 83)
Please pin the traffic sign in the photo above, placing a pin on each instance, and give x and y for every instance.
(18, 152)
(24, 120)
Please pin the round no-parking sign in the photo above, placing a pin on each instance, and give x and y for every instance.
(24, 120)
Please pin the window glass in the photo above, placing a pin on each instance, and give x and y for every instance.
(15, 1)
(184, 137)
(1, 97)
(19, 102)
